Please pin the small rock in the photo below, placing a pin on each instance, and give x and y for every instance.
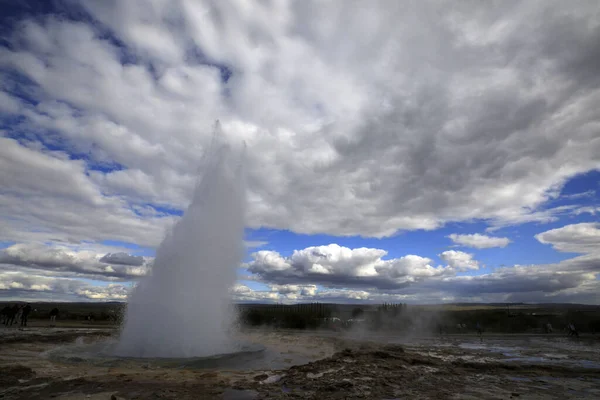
(382, 354)
(394, 348)
(272, 379)
(515, 394)
(342, 385)
(261, 377)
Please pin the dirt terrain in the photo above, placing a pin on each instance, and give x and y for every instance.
(308, 366)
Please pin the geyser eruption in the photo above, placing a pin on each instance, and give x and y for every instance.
(183, 307)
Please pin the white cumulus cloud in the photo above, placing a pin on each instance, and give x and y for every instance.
(338, 266)
(577, 238)
(479, 241)
(459, 260)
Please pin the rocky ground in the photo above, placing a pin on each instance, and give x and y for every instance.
(332, 367)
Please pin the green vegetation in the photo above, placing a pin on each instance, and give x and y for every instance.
(297, 316)
(500, 318)
(526, 318)
(454, 318)
(357, 313)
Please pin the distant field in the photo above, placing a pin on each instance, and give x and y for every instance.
(85, 312)
(501, 318)
(515, 307)
(45, 323)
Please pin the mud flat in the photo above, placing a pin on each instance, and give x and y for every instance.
(59, 363)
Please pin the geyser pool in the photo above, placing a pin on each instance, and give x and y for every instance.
(183, 307)
(102, 354)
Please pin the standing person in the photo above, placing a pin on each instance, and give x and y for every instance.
(25, 314)
(5, 313)
(53, 315)
(12, 315)
(572, 330)
(18, 314)
(440, 329)
(479, 331)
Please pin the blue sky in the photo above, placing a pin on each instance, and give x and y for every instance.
(378, 169)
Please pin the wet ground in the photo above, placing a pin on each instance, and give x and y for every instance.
(64, 364)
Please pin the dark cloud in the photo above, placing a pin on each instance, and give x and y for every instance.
(18, 285)
(423, 114)
(122, 259)
(66, 261)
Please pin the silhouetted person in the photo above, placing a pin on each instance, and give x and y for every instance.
(19, 314)
(479, 330)
(25, 314)
(572, 330)
(594, 326)
(5, 314)
(441, 329)
(12, 315)
(53, 315)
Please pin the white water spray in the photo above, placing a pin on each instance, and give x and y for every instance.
(183, 308)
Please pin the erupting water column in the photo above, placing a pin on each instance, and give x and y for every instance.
(183, 308)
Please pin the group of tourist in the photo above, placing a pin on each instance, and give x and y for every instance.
(16, 314)
(19, 314)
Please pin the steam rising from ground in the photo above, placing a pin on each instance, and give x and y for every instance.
(183, 308)
(409, 324)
